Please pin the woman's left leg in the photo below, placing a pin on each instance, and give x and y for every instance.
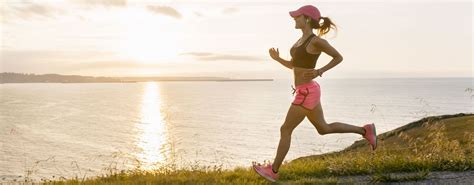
(316, 117)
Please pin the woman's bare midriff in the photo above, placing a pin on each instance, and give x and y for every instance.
(298, 73)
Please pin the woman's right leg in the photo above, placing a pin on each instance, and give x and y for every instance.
(295, 115)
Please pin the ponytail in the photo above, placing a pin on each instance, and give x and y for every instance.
(323, 28)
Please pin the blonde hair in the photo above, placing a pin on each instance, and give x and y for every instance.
(323, 28)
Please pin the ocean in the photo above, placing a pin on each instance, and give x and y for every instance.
(64, 130)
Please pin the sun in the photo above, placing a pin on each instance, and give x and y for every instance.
(145, 39)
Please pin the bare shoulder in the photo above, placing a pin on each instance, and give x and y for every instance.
(318, 41)
(324, 46)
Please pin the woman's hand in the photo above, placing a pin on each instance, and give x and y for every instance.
(313, 73)
(275, 54)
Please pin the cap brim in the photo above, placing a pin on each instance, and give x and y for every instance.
(295, 13)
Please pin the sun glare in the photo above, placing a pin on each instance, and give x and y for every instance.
(146, 39)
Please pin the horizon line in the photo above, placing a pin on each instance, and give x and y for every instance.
(233, 77)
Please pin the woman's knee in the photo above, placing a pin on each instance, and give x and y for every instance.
(286, 130)
(321, 125)
(324, 129)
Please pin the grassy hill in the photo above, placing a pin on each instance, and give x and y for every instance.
(438, 143)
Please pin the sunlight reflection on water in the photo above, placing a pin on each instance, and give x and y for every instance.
(153, 137)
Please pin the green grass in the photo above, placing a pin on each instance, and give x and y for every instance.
(432, 144)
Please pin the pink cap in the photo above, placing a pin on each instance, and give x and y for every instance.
(307, 10)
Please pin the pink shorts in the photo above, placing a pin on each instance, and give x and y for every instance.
(307, 95)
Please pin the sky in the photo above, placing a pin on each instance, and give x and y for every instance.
(378, 39)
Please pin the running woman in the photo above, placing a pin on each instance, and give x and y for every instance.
(306, 103)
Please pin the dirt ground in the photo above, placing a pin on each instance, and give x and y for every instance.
(443, 177)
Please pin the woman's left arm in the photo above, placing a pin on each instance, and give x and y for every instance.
(325, 47)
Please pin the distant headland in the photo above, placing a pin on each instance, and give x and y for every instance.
(10, 77)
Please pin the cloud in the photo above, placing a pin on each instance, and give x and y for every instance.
(198, 54)
(30, 10)
(57, 61)
(112, 64)
(35, 9)
(105, 3)
(199, 14)
(42, 57)
(27, 11)
(230, 10)
(206, 56)
(165, 10)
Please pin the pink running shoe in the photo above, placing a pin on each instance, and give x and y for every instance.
(265, 171)
(371, 135)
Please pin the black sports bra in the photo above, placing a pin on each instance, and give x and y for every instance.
(301, 58)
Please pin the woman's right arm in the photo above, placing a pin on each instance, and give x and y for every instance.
(275, 54)
(286, 63)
